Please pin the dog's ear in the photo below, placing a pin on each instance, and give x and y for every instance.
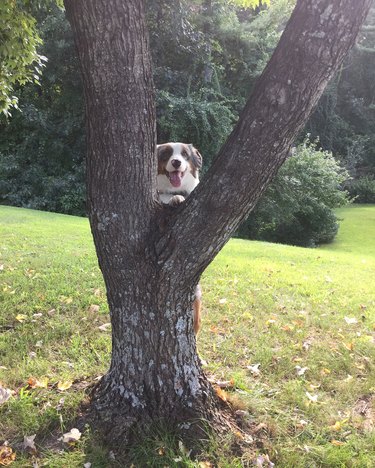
(158, 150)
(196, 157)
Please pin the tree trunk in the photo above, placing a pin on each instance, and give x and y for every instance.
(152, 256)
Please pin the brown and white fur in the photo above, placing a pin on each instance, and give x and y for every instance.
(178, 171)
(178, 175)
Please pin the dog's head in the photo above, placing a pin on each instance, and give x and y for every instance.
(176, 160)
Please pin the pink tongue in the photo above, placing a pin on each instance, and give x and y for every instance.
(175, 178)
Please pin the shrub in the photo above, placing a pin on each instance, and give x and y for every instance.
(298, 207)
(363, 190)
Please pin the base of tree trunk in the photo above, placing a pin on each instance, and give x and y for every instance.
(118, 420)
(118, 426)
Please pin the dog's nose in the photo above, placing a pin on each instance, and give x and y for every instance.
(176, 163)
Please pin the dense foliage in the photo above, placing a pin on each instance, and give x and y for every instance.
(345, 117)
(297, 208)
(207, 56)
(19, 60)
(42, 147)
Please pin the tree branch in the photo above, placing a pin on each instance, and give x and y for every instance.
(313, 45)
(112, 43)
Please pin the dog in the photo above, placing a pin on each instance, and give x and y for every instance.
(178, 175)
(178, 171)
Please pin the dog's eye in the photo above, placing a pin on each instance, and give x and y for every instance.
(185, 154)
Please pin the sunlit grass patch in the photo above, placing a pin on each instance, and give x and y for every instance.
(292, 329)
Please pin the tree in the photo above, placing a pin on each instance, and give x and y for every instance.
(20, 62)
(344, 119)
(152, 256)
(42, 143)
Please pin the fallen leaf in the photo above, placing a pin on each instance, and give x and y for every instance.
(287, 328)
(337, 443)
(61, 404)
(264, 461)
(64, 385)
(94, 308)
(350, 320)
(297, 359)
(325, 371)
(238, 434)
(5, 394)
(72, 436)
(254, 369)
(314, 387)
(223, 383)
(38, 383)
(105, 327)
(301, 370)
(221, 393)
(205, 464)
(336, 427)
(349, 346)
(183, 449)
(306, 345)
(7, 456)
(271, 321)
(21, 318)
(312, 398)
(28, 443)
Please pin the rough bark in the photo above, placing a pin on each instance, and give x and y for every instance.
(152, 256)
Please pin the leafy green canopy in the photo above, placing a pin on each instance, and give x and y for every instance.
(19, 59)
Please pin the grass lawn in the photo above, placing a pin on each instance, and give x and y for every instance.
(292, 329)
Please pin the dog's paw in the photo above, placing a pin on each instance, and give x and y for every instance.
(176, 200)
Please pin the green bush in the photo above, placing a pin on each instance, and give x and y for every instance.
(298, 207)
(363, 190)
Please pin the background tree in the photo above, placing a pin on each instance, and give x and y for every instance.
(345, 117)
(19, 59)
(151, 256)
(42, 147)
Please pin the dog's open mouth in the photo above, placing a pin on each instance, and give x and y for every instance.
(175, 178)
